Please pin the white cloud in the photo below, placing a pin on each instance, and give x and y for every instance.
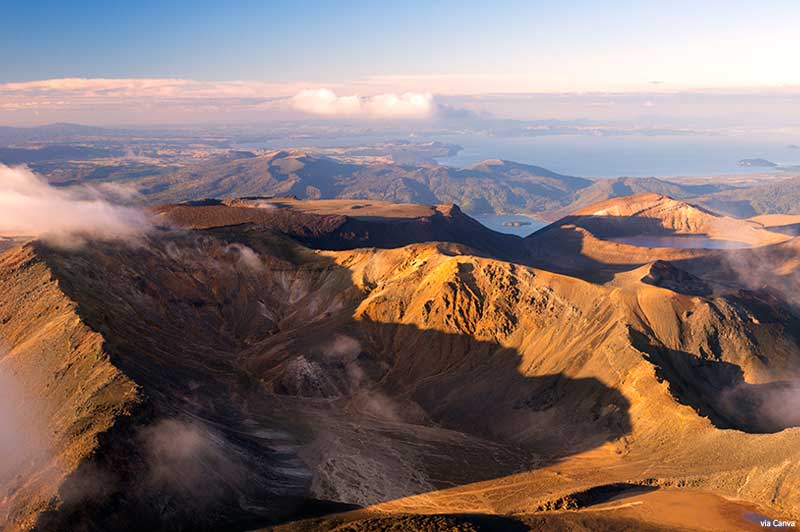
(29, 206)
(141, 100)
(24, 442)
(104, 89)
(325, 102)
(131, 100)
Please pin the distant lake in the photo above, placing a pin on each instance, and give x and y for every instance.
(628, 155)
(495, 223)
(682, 242)
(595, 156)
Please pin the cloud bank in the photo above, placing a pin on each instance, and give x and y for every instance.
(30, 207)
(325, 102)
(131, 101)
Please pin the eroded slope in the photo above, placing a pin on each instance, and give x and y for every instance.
(255, 376)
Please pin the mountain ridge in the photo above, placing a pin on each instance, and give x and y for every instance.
(270, 363)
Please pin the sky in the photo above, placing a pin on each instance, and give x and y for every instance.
(127, 59)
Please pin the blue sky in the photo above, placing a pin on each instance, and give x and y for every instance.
(348, 41)
(59, 59)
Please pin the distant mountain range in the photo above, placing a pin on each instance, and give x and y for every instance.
(776, 197)
(170, 170)
(488, 187)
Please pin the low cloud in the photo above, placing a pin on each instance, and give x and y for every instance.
(25, 445)
(768, 268)
(30, 207)
(343, 347)
(767, 407)
(113, 101)
(154, 100)
(325, 102)
(23, 439)
(246, 258)
(203, 253)
(190, 459)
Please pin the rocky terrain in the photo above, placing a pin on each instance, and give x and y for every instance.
(346, 224)
(356, 365)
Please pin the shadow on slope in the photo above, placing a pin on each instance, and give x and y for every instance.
(246, 418)
(347, 228)
(418, 523)
(594, 247)
(717, 390)
(609, 226)
(563, 249)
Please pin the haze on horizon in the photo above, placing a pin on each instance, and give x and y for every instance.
(191, 62)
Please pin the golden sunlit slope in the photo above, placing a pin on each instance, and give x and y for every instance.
(251, 380)
(659, 347)
(686, 365)
(654, 214)
(616, 235)
(60, 394)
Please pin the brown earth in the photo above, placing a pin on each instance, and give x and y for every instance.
(226, 377)
(346, 224)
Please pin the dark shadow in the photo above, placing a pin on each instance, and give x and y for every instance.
(627, 243)
(665, 275)
(596, 495)
(351, 230)
(731, 207)
(560, 249)
(327, 177)
(614, 226)
(766, 271)
(254, 390)
(788, 229)
(406, 522)
(457, 228)
(717, 389)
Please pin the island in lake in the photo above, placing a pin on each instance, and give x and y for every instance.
(757, 162)
(515, 223)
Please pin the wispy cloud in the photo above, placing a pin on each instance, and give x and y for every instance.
(116, 101)
(146, 87)
(29, 206)
(130, 100)
(24, 442)
(325, 102)
(122, 99)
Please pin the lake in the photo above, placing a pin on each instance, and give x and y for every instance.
(633, 155)
(495, 223)
(681, 242)
(628, 155)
